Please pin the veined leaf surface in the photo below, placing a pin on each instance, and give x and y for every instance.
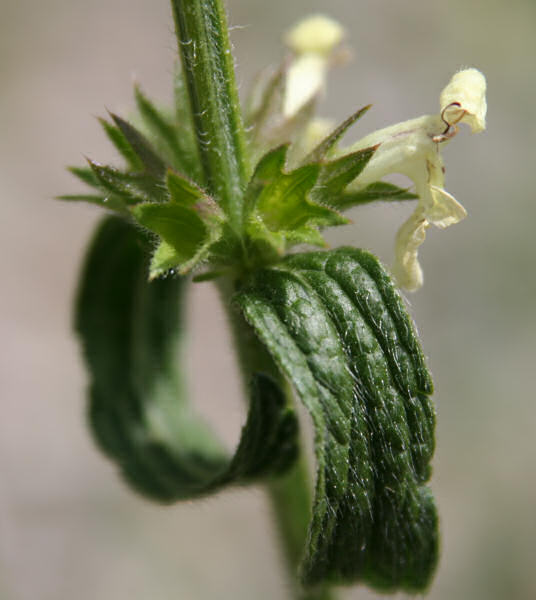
(338, 329)
(131, 330)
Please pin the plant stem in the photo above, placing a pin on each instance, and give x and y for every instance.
(208, 67)
(289, 494)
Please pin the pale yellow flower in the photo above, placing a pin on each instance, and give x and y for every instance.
(412, 149)
(312, 42)
(464, 100)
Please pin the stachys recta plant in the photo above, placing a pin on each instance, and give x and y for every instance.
(211, 190)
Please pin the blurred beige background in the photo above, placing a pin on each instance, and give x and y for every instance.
(68, 526)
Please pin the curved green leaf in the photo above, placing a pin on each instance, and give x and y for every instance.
(338, 329)
(131, 332)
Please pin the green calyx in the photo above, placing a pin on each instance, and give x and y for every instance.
(295, 190)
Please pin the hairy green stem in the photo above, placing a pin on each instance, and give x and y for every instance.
(207, 61)
(208, 67)
(289, 494)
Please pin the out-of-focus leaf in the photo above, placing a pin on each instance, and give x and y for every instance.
(118, 139)
(131, 187)
(326, 145)
(338, 329)
(131, 331)
(265, 102)
(379, 190)
(87, 175)
(110, 202)
(175, 140)
(186, 131)
(152, 163)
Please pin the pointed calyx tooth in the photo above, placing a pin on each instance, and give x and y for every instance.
(315, 34)
(464, 100)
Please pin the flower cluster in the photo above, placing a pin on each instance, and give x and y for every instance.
(410, 148)
(302, 180)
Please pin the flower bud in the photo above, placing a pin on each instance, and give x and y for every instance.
(317, 34)
(313, 42)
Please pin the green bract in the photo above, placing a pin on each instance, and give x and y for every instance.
(200, 194)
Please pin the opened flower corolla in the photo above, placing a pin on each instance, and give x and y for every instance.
(412, 149)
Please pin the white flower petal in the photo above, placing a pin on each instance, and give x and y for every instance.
(313, 42)
(439, 207)
(412, 149)
(406, 268)
(306, 78)
(445, 210)
(464, 100)
(404, 148)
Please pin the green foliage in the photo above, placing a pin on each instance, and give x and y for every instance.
(207, 63)
(282, 206)
(279, 205)
(132, 333)
(337, 174)
(379, 190)
(329, 143)
(339, 331)
(175, 140)
(187, 225)
(130, 187)
(199, 195)
(152, 164)
(122, 145)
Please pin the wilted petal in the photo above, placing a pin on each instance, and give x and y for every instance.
(445, 210)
